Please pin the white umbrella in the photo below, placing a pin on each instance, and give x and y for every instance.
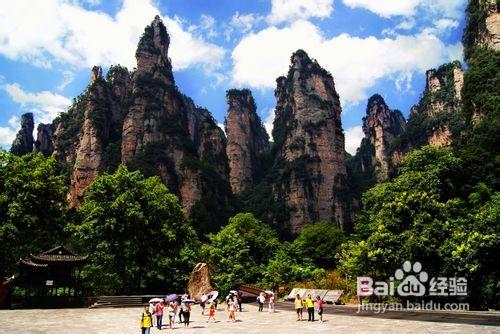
(204, 298)
(233, 292)
(269, 292)
(213, 295)
(155, 300)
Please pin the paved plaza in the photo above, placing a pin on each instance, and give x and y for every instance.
(126, 320)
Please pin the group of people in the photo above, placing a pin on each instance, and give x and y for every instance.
(179, 310)
(309, 304)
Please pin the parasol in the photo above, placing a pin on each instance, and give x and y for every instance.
(172, 298)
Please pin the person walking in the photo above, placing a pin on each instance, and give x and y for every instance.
(211, 312)
(319, 305)
(299, 305)
(271, 304)
(171, 315)
(261, 299)
(231, 307)
(240, 300)
(186, 311)
(152, 308)
(203, 302)
(159, 314)
(146, 321)
(310, 308)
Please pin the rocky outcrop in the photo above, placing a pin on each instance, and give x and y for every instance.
(246, 138)
(199, 281)
(89, 162)
(165, 133)
(309, 145)
(436, 120)
(23, 143)
(381, 126)
(44, 139)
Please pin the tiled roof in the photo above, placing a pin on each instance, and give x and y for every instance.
(29, 263)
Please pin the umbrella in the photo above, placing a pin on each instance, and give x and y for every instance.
(204, 298)
(269, 292)
(233, 292)
(155, 300)
(213, 295)
(172, 298)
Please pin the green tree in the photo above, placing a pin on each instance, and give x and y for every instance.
(320, 242)
(422, 215)
(136, 234)
(33, 210)
(289, 265)
(240, 251)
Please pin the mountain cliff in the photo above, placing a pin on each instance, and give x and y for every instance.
(23, 143)
(381, 126)
(306, 179)
(246, 139)
(436, 119)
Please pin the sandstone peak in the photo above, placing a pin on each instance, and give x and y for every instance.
(246, 138)
(95, 74)
(155, 39)
(23, 143)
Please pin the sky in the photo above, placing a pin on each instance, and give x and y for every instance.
(47, 48)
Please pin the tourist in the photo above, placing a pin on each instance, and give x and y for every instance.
(171, 315)
(310, 308)
(261, 299)
(211, 312)
(231, 307)
(159, 314)
(146, 321)
(319, 305)
(271, 303)
(178, 311)
(299, 305)
(186, 311)
(240, 300)
(203, 302)
(152, 308)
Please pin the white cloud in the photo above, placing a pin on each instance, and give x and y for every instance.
(245, 23)
(83, 38)
(445, 24)
(355, 63)
(268, 122)
(8, 133)
(291, 10)
(385, 8)
(45, 105)
(388, 8)
(68, 78)
(353, 138)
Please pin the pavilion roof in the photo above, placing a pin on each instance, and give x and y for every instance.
(58, 254)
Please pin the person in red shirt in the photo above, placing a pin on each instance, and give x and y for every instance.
(159, 314)
(319, 305)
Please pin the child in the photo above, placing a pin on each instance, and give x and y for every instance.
(271, 304)
(319, 305)
(146, 321)
(211, 312)
(231, 306)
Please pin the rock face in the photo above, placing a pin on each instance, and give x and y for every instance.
(89, 162)
(23, 143)
(199, 281)
(309, 145)
(164, 132)
(44, 139)
(488, 34)
(380, 126)
(246, 138)
(434, 120)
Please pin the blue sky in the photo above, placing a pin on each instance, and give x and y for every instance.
(47, 48)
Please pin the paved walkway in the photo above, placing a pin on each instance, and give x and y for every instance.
(126, 320)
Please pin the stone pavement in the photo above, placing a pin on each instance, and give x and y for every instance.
(126, 320)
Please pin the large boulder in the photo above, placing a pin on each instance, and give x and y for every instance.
(199, 281)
